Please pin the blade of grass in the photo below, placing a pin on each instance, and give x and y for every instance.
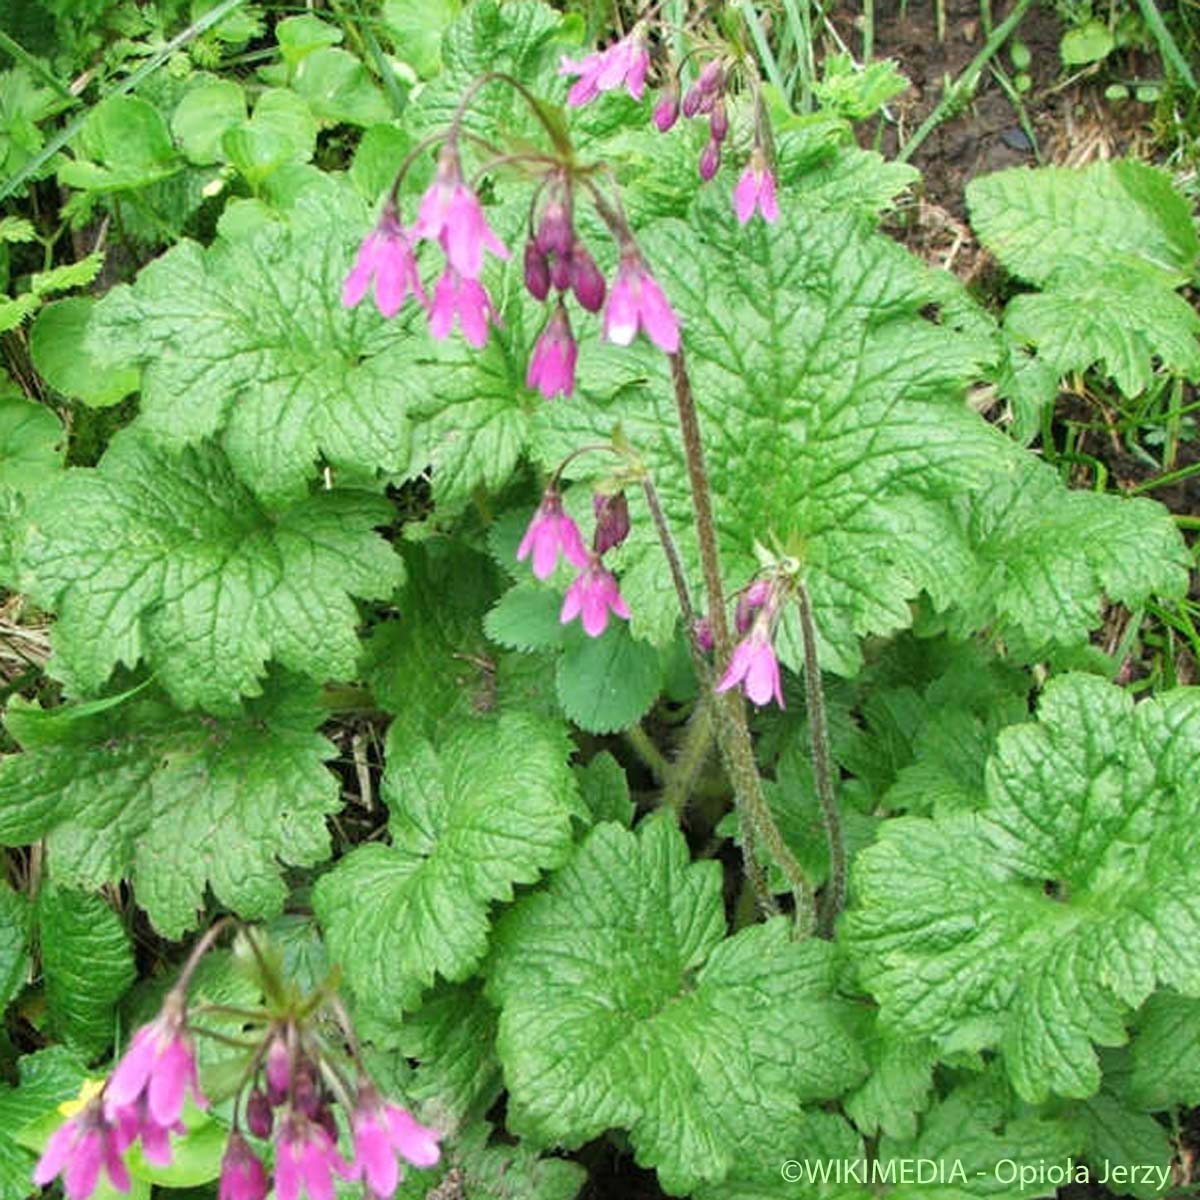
(965, 81)
(213, 17)
(763, 48)
(1166, 43)
(800, 24)
(21, 55)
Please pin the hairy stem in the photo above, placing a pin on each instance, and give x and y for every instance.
(818, 732)
(733, 734)
(691, 758)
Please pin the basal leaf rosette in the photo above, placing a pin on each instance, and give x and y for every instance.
(176, 803)
(490, 807)
(173, 561)
(623, 1005)
(1037, 924)
(247, 340)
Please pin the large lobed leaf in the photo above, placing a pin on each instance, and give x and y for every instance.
(1036, 924)
(174, 802)
(623, 1005)
(172, 561)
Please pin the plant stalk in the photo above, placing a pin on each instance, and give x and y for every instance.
(834, 896)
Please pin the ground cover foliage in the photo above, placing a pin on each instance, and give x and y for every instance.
(904, 866)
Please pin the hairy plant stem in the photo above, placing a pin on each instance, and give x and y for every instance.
(818, 731)
(689, 762)
(733, 734)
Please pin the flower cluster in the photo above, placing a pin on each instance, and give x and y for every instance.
(753, 666)
(594, 592)
(291, 1099)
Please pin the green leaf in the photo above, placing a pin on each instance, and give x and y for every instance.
(898, 1089)
(526, 617)
(70, 275)
(1044, 558)
(124, 145)
(1086, 43)
(14, 943)
(1122, 212)
(17, 229)
(56, 344)
(87, 962)
(377, 158)
(1116, 1139)
(1112, 317)
(605, 790)
(195, 1157)
(1035, 924)
(32, 443)
(175, 802)
(209, 108)
(605, 684)
(857, 92)
(490, 807)
(417, 31)
(1166, 1053)
(172, 561)
(287, 374)
(300, 36)
(282, 131)
(338, 89)
(623, 1006)
(14, 311)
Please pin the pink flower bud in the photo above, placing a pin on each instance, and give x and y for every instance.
(586, 281)
(718, 121)
(259, 1118)
(537, 271)
(556, 234)
(242, 1174)
(666, 110)
(702, 632)
(710, 161)
(612, 521)
(749, 602)
(692, 99)
(278, 1070)
(560, 273)
(712, 77)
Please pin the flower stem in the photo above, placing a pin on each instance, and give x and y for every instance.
(690, 760)
(733, 734)
(818, 732)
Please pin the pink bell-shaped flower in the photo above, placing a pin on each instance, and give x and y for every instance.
(158, 1068)
(756, 189)
(551, 368)
(385, 256)
(451, 213)
(80, 1147)
(550, 533)
(592, 595)
(381, 1132)
(637, 302)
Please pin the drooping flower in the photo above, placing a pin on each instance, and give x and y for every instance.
(624, 62)
(466, 299)
(158, 1067)
(612, 521)
(259, 1118)
(537, 271)
(451, 213)
(637, 302)
(718, 121)
(556, 232)
(306, 1158)
(756, 188)
(750, 601)
(710, 160)
(80, 1147)
(550, 532)
(666, 109)
(381, 1132)
(593, 594)
(278, 1070)
(552, 365)
(242, 1174)
(754, 667)
(586, 280)
(386, 256)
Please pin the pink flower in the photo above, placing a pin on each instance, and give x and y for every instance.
(710, 160)
(465, 298)
(753, 665)
(80, 1147)
(451, 212)
(666, 109)
(242, 1174)
(381, 1131)
(306, 1158)
(585, 279)
(550, 532)
(386, 255)
(750, 601)
(624, 62)
(158, 1068)
(279, 1070)
(552, 365)
(593, 593)
(756, 187)
(636, 301)
(702, 632)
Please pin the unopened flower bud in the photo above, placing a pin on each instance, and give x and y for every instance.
(555, 233)
(259, 1118)
(586, 280)
(710, 161)
(702, 632)
(278, 1071)
(666, 109)
(560, 273)
(242, 1174)
(718, 121)
(692, 99)
(537, 271)
(712, 77)
(612, 521)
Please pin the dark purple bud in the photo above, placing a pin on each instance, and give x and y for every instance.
(537, 271)
(560, 272)
(710, 160)
(666, 110)
(712, 77)
(749, 602)
(692, 99)
(612, 521)
(278, 1070)
(307, 1095)
(555, 233)
(259, 1119)
(586, 280)
(702, 632)
(325, 1118)
(718, 121)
